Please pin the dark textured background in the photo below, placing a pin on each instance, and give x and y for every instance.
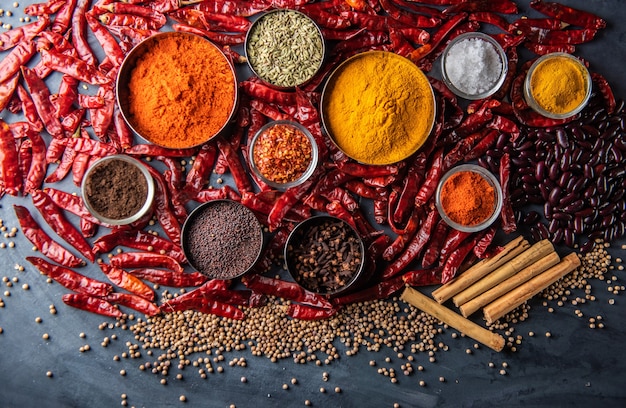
(577, 366)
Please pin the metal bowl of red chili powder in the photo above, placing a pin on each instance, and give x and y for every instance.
(222, 239)
(283, 154)
(177, 90)
(118, 190)
(469, 198)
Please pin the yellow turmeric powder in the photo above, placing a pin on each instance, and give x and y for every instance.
(559, 84)
(378, 107)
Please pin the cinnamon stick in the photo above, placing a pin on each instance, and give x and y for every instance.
(524, 292)
(528, 257)
(509, 284)
(480, 269)
(424, 303)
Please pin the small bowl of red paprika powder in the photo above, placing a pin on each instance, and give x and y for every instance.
(469, 198)
(283, 154)
(118, 190)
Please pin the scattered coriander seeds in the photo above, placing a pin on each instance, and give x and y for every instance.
(49, 374)
(182, 398)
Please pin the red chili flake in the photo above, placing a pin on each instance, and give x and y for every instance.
(282, 153)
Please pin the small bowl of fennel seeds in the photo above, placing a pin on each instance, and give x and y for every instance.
(284, 48)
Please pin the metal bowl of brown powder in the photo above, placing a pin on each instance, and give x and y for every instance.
(222, 239)
(177, 90)
(118, 190)
(325, 255)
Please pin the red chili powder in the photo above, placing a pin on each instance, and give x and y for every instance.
(467, 198)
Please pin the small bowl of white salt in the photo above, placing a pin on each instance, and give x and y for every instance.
(474, 66)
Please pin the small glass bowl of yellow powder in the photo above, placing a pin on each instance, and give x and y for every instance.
(557, 85)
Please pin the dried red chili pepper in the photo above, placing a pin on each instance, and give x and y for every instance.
(288, 199)
(482, 246)
(40, 9)
(63, 17)
(24, 158)
(605, 90)
(41, 97)
(54, 216)
(472, 6)
(381, 290)
(543, 49)
(106, 40)
(220, 309)
(433, 250)
(433, 176)
(163, 210)
(523, 24)
(7, 90)
(140, 240)
(91, 304)
(79, 38)
(569, 15)
(286, 290)
(490, 18)
(409, 18)
(415, 246)
(168, 278)
(145, 260)
(422, 277)
(336, 209)
(27, 32)
(507, 215)
(63, 101)
(193, 298)
(127, 281)
(43, 242)
(134, 302)
(402, 239)
(64, 167)
(70, 278)
(399, 44)
(343, 197)
(130, 20)
(19, 56)
(74, 67)
(365, 40)
(154, 150)
(71, 203)
(233, 7)
(556, 37)
(303, 312)
(359, 188)
(437, 37)
(9, 162)
(456, 258)
(452, 242)
(239, 174)
(480, 148)
(219, 38)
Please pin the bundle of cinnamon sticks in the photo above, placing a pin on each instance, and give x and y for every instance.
(507, 280)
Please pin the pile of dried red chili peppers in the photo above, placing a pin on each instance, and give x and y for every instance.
(407, 242)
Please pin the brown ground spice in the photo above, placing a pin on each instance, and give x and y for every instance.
(116, 189)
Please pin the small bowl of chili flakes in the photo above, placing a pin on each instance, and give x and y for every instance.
(325, 255)
(283, 154)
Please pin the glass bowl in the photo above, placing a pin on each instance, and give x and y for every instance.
(475, 67)
(222, 239)
(283, 154)
(115, 191)
(284, 48)
(562, 58)
(197, 122)
(302, 255)
(487, 176)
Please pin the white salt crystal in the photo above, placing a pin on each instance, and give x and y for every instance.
(473, 66)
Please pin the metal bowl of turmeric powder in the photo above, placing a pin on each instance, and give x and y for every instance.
(469, 198)
(177, 90)
(378, 107)
(557, 85)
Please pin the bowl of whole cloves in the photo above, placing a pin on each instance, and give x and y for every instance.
(325, 255)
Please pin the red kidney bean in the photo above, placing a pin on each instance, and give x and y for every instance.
(555, 196)
(579, 225)
(557, 237)
(540, 170)
(531, 218)
(575, 206)
(562, 216)
(562, 138)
